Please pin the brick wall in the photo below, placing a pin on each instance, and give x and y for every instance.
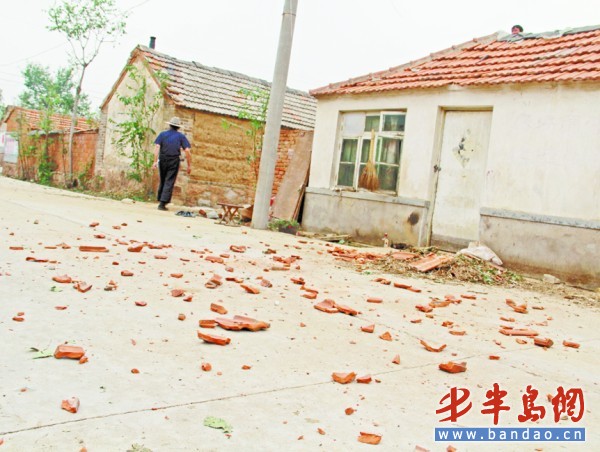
(31, 147)
(220, 168)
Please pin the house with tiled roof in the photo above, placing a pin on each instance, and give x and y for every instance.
(22, 140)
(496, 141)
(208, 100)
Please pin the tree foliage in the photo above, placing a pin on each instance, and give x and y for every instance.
(2, 106)
(44, 90)
(87, 25)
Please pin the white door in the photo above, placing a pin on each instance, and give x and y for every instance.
(461, 178)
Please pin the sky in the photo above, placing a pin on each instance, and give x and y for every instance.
(334, 40)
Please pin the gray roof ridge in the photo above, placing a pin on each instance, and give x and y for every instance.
(223, 71)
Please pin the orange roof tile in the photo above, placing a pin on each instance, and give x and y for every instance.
(573, 55)
(59, 122)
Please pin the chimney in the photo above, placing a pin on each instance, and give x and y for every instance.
(153, 42)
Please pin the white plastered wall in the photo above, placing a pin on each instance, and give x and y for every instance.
(544, 150)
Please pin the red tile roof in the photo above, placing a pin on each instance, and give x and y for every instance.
(573, 55)
(59, 122)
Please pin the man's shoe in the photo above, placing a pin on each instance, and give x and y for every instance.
(162, 206)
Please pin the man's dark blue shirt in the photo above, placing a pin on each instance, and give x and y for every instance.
(171, 141)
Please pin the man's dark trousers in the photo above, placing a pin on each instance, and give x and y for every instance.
(168, 168)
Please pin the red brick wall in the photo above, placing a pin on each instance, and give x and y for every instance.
(287, 143)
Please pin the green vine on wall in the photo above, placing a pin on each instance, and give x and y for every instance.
(133, 137)
(254, 110)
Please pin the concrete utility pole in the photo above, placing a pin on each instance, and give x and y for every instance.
(264, 188)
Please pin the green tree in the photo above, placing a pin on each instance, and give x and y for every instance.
(43, 88)
(133, 137)
(2, 106)
(87, 25)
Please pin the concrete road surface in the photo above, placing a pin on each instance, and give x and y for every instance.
(286, 399)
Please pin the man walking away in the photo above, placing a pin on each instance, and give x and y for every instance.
(167, 155)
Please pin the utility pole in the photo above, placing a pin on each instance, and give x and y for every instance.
(264, 188)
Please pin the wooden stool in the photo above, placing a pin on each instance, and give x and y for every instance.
(230, 211)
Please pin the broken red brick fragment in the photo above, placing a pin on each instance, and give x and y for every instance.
(239, 322)
(570, 344)
(494, 357)
(521, 341)
(374, 300)
(386, 336)
(93, 224)
(429, 348)
(176, 275)
(521, 309)
(327, 306)
(396, 359)
(246, 367)
(416, 320)
(265, 283)
(136, 248)
(207, 323)
(214, 339)
(68, 351)
(141, 303)
(84, 359)
(93, 249)
(452, 367)
(177, 293)
(518, 332)
(206, 367)
(365, 379)
(99, 236)
(346, 309)
(430, 262)
(126, 273)
(160, 256)
(71, 405)
(320, 431)
(368, 328)
(63, 279)
(343, 378)
(215, 259)
(384, 281)
(299, 281)
(369, 438)
(234, 279)
(181, 317)
(18, 318)
(468, 297)
(423, 308)
(82, 286)
(457, 332)
(219, 309)
(60, 308)
(135, 371)
(237, 249)
(543, 342)
(349, 411)
(250, 289)
(309, 295)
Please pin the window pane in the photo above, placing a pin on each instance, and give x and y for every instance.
(372, 123)
(346, 174)
(349, 150)
(389, 151)
(353, 124)
(393, 123)
(364, 155)
(388, 177)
